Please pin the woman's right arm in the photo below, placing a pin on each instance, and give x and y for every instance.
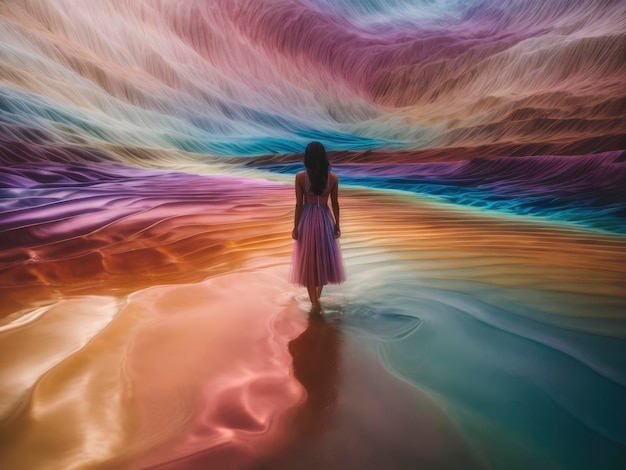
(334, 200)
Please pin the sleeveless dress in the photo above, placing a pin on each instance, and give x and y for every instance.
(316, 254)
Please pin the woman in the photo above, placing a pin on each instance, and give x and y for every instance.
(316, 257)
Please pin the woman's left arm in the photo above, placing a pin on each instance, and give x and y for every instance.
(299, 206)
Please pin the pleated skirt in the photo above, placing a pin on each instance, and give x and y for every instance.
(316, 255)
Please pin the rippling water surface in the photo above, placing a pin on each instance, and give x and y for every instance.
(146, 203)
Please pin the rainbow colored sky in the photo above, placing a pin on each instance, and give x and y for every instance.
(233, 78)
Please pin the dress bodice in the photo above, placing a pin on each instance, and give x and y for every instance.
(310, 197)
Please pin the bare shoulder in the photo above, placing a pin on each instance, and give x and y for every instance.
(300, 177)
(334, 179)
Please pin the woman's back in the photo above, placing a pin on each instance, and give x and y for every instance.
(310, 196)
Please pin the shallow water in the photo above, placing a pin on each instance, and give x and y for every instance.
(170, 338)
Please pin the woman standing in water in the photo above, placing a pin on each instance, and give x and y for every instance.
(316, 259)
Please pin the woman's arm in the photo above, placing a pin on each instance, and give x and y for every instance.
(334, 200)
(299, 205)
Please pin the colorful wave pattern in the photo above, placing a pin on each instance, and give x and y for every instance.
(164, 83)
(146, 320)
(586, 191)
(260, 77)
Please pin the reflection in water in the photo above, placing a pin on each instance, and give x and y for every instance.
(356, 415)
(316, 360)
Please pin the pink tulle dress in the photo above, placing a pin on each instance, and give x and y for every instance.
(316, 254)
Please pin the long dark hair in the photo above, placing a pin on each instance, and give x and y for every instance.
(316, 163)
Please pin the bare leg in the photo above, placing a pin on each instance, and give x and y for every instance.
(312, 294)
(319, 291)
